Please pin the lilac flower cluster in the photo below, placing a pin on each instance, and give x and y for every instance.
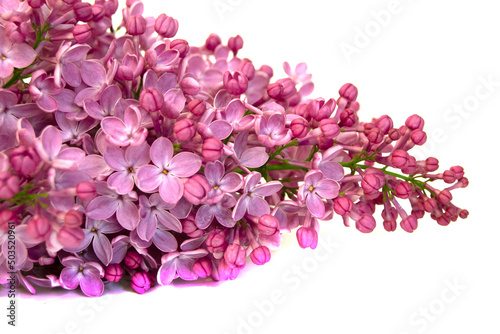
(126, 153)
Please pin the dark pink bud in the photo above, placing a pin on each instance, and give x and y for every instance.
(24, 160)
(70, 237)
(342, 206)
(307, 237)
(113, 273)
(246, 67)
(268, 225)
(196, 189)
(197, 107)
(414, 122)
(411, 166)
(189, 227)
(235, 256)
(299, 127)
(459, 171)
(390, 213)
(390, 225)
(180, 45)
(9, 185)
(430, 205)
(236, 83)
(184, 129)
(216, 242)
(86, 191)
(39, 228)
(235, 44)
(375, 136)
(73, 219)
(82, 33)
(132, 259)
(83, 11)
(268, 70)
(329, 128)
(371, 183)
(419, 137)
(136, 25)
(36, 3)
(366, 223)
(400, 158)
(349, 92)
(212, 42)
(110, 7)
(464, 214)
(190, 85)
(275, 90)
(394, 134)
(212, 149)
(324, 142)
(449, 176)
(403, 190)
(409, 224)
(431, 164)
(289, 88)
(384, 123)
(347, 118)
(166, 26)
(97, 12)
(260, 255)
(443, 220)
(140, 282)
(203, 267)
(151, 99)
(444, 197)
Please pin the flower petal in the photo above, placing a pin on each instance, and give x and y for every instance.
(185, 164)
(101, 207)
(171, 189)
(91, 285)
(161, 152)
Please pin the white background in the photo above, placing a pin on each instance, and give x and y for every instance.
(426, 57)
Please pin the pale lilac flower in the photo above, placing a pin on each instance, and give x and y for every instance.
(221, 182)
(252, 157)
(234, 115)
(220, 210)
(12, 56)
(86, 274)
(127, 131)
(73, 130)
(95, 231)
(125, 163)
(316, 188)
(252, 200)
(167, 169)
(153, 211)
(270, 128)
(69, 58)
(328, 162)
(43, 89)
(110, 202)
(106, 105)
(179, 264)
(96, 79)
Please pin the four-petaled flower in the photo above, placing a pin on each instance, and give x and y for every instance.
(86, 274)
(316, 188)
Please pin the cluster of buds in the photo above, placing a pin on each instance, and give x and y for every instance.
(125, 152)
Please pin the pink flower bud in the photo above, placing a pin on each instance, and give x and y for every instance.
(132, 259)
(180, 45)
(86, 191)
(212, 149)
(13, 33)
(140, 282)
(196, 189)
(268, 70)
(394, 134)
(307, 237)
(7, 216)
(9, 185)
(166, 26)
(390, 225)
(375, 136)
(459, 171)
(39, 228)
(246, 67)
(414, 122)
(347, 118)
(260, 255)
(97, 12)
(366, 223)
(70, 237)
(329, 128)
(82, 33)
(113, 273)
(449, 176)
(444, 197)
(419, 137)
(151, 99)
(197, 107)
(289, 88)
(324, 142)
(236, 83)
(275, 90)
(235, 44)
(431, 164)
(400, 158)
(184, 129)
(203, 267)
(189, 227)
(403, 190)
(299, 127)
(409, 224)
(216, 242)
(83, 11)
(349, 92)
(463, 214)
(384, 123)
(226, 272)
(136, 25)
(73, 219)
(212, 42)
(24, 160)
(36, 3)
(190, 85)
(235, 256)
(342, 206)
(268, 225)
(411, 166)
(430, 205)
